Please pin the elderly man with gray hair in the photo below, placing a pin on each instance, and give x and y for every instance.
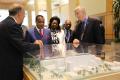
(87, 29)
(12, 45)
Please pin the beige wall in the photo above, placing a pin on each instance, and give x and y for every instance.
(94, 6)
(62, 12)
(55, 12)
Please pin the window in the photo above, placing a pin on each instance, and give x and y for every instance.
(3, 14)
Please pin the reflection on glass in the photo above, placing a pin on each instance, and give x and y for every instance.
(66, 62)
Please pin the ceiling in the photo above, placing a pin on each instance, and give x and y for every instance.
(12, 1)
(54, 3)
(5, 4)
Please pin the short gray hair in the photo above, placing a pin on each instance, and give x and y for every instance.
(80, 8)
(16, 8)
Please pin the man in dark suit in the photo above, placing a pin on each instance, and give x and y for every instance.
(102, 31)
(87, 29)
(12, 46)
(68, 31)
(39, 32)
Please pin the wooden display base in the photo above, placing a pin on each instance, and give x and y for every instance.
(28, 75)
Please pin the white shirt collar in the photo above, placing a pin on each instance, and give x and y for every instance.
(38, 28)
(14, 18)
(85, 18)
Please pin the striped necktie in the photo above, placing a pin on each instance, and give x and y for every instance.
(83, 29)
(67, 35)
(41, 32)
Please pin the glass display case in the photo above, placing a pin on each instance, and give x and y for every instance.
(72, 62)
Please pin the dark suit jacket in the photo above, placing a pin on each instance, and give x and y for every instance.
(12, 48)
(71, 36)
(92, 33)
(32, 35)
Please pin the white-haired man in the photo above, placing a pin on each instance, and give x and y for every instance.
(87, 29)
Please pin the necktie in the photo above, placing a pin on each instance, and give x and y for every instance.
(83, 26)
(67, 35)
(83, 29)
(41, 32)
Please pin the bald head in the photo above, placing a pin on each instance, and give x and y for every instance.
(80, 13)
(17, 11)
(67, 24)
(67, 21)
(14, 9)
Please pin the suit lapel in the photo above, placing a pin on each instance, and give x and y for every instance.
(37, 34)
(70, 33)
(87, 25)
(44, 32)
(86, 28)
